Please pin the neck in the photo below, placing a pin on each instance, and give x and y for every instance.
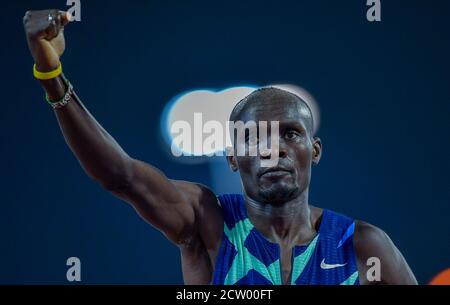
(289, 223)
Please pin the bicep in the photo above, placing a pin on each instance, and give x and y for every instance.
(160, 201)
(372, 242)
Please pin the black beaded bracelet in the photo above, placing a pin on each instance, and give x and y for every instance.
(64, 100)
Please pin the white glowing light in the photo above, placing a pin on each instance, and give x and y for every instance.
(213, 106)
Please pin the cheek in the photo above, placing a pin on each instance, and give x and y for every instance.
(303, 156)
(246, 165)
(246, 149)
(248, 172)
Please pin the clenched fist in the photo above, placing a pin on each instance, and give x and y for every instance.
(45, 36)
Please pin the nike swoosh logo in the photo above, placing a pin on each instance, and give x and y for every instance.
(323, 265)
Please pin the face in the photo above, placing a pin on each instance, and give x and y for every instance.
(297, 152)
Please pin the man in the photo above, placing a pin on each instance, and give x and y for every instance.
(269, 235)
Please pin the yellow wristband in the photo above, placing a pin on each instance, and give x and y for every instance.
(47, 75)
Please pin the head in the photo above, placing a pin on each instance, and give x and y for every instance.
(298, 148)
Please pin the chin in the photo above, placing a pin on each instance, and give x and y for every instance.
(277, 194)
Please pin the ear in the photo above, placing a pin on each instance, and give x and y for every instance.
(231, 159)
(317, 150)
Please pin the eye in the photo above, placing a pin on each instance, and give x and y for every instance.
(291, 134)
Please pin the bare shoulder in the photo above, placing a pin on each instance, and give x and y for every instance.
(369, 238)
(373, 246)
(208, 213)
(198, 194)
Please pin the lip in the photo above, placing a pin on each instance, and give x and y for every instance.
(275, 170)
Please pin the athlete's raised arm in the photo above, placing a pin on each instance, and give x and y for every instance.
(173, 207)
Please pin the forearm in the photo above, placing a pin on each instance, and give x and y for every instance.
(98, 153)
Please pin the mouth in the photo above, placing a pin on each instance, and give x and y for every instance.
(275, 171)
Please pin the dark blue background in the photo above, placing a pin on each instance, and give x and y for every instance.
(383, 89)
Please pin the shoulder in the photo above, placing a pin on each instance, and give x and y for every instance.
(197, 194)
(208, 213)
(193, 189)
(369, 238)
(203, 199)
(372, 245)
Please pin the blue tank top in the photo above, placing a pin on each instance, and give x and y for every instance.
(246, 257)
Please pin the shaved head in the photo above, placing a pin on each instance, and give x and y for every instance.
(271, 96)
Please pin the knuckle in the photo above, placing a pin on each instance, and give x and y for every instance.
(26, 17)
